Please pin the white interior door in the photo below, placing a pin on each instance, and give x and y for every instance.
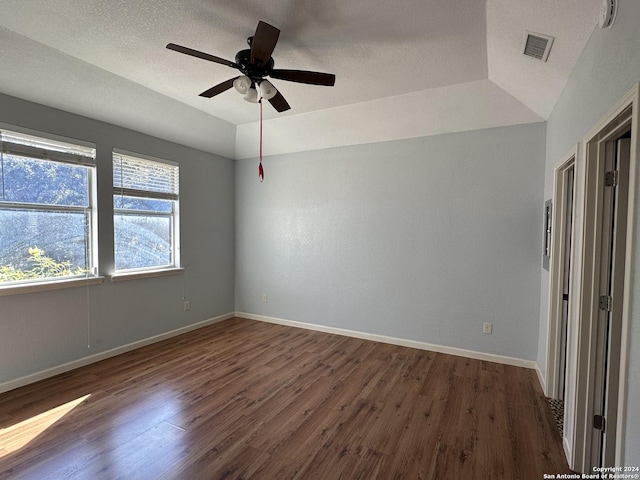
(610, 302)
(568, 178)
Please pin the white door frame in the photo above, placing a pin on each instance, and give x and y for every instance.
(556, 268)
(587, 301)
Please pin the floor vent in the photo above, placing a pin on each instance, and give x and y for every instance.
(537, 45)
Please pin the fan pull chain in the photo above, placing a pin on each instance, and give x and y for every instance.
(260, 169)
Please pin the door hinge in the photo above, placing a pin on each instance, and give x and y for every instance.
(605, 303)
(565, 297)
(611, 178)
(599, 422)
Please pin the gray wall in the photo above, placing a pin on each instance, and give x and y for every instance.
(607, 69)
(43, 330)
(422, 239)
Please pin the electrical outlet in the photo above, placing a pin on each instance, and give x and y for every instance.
(487, 328)
(186, 305)
(265, 299)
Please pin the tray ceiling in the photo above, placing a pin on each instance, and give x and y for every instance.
(107, 58)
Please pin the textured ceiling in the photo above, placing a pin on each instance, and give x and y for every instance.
(109, 55)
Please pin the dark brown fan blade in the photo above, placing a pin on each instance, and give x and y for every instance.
(304, 76)
(264, 41)
(221, 87)
(279, 103)
(205, 56)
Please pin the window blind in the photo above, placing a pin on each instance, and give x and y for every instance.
(142, 177)
(13, 143)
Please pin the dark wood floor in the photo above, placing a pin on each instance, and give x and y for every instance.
(245, 399)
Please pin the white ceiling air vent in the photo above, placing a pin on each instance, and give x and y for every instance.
(537, 45)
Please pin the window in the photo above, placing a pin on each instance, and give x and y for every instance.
(145, 205)
(46, 209)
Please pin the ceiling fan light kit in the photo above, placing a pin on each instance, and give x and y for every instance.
(267, 90)
(242, 84)
(252, 95)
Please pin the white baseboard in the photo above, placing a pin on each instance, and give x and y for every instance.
(50, 372)
(518, 362)
(541, 379)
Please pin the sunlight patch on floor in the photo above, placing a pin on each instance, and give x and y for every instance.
(17, 436)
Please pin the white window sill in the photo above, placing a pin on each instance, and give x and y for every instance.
(49, 285)
(122, 277)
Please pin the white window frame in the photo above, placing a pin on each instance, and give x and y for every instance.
(147, 272)
(79, 153)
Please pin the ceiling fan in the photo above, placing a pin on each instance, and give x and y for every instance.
(256, 63)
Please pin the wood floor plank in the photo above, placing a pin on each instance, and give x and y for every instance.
(246, 399)
(53, 455)
(492, 425)
(146, 456)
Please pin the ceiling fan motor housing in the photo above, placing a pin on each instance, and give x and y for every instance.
(255, 71)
